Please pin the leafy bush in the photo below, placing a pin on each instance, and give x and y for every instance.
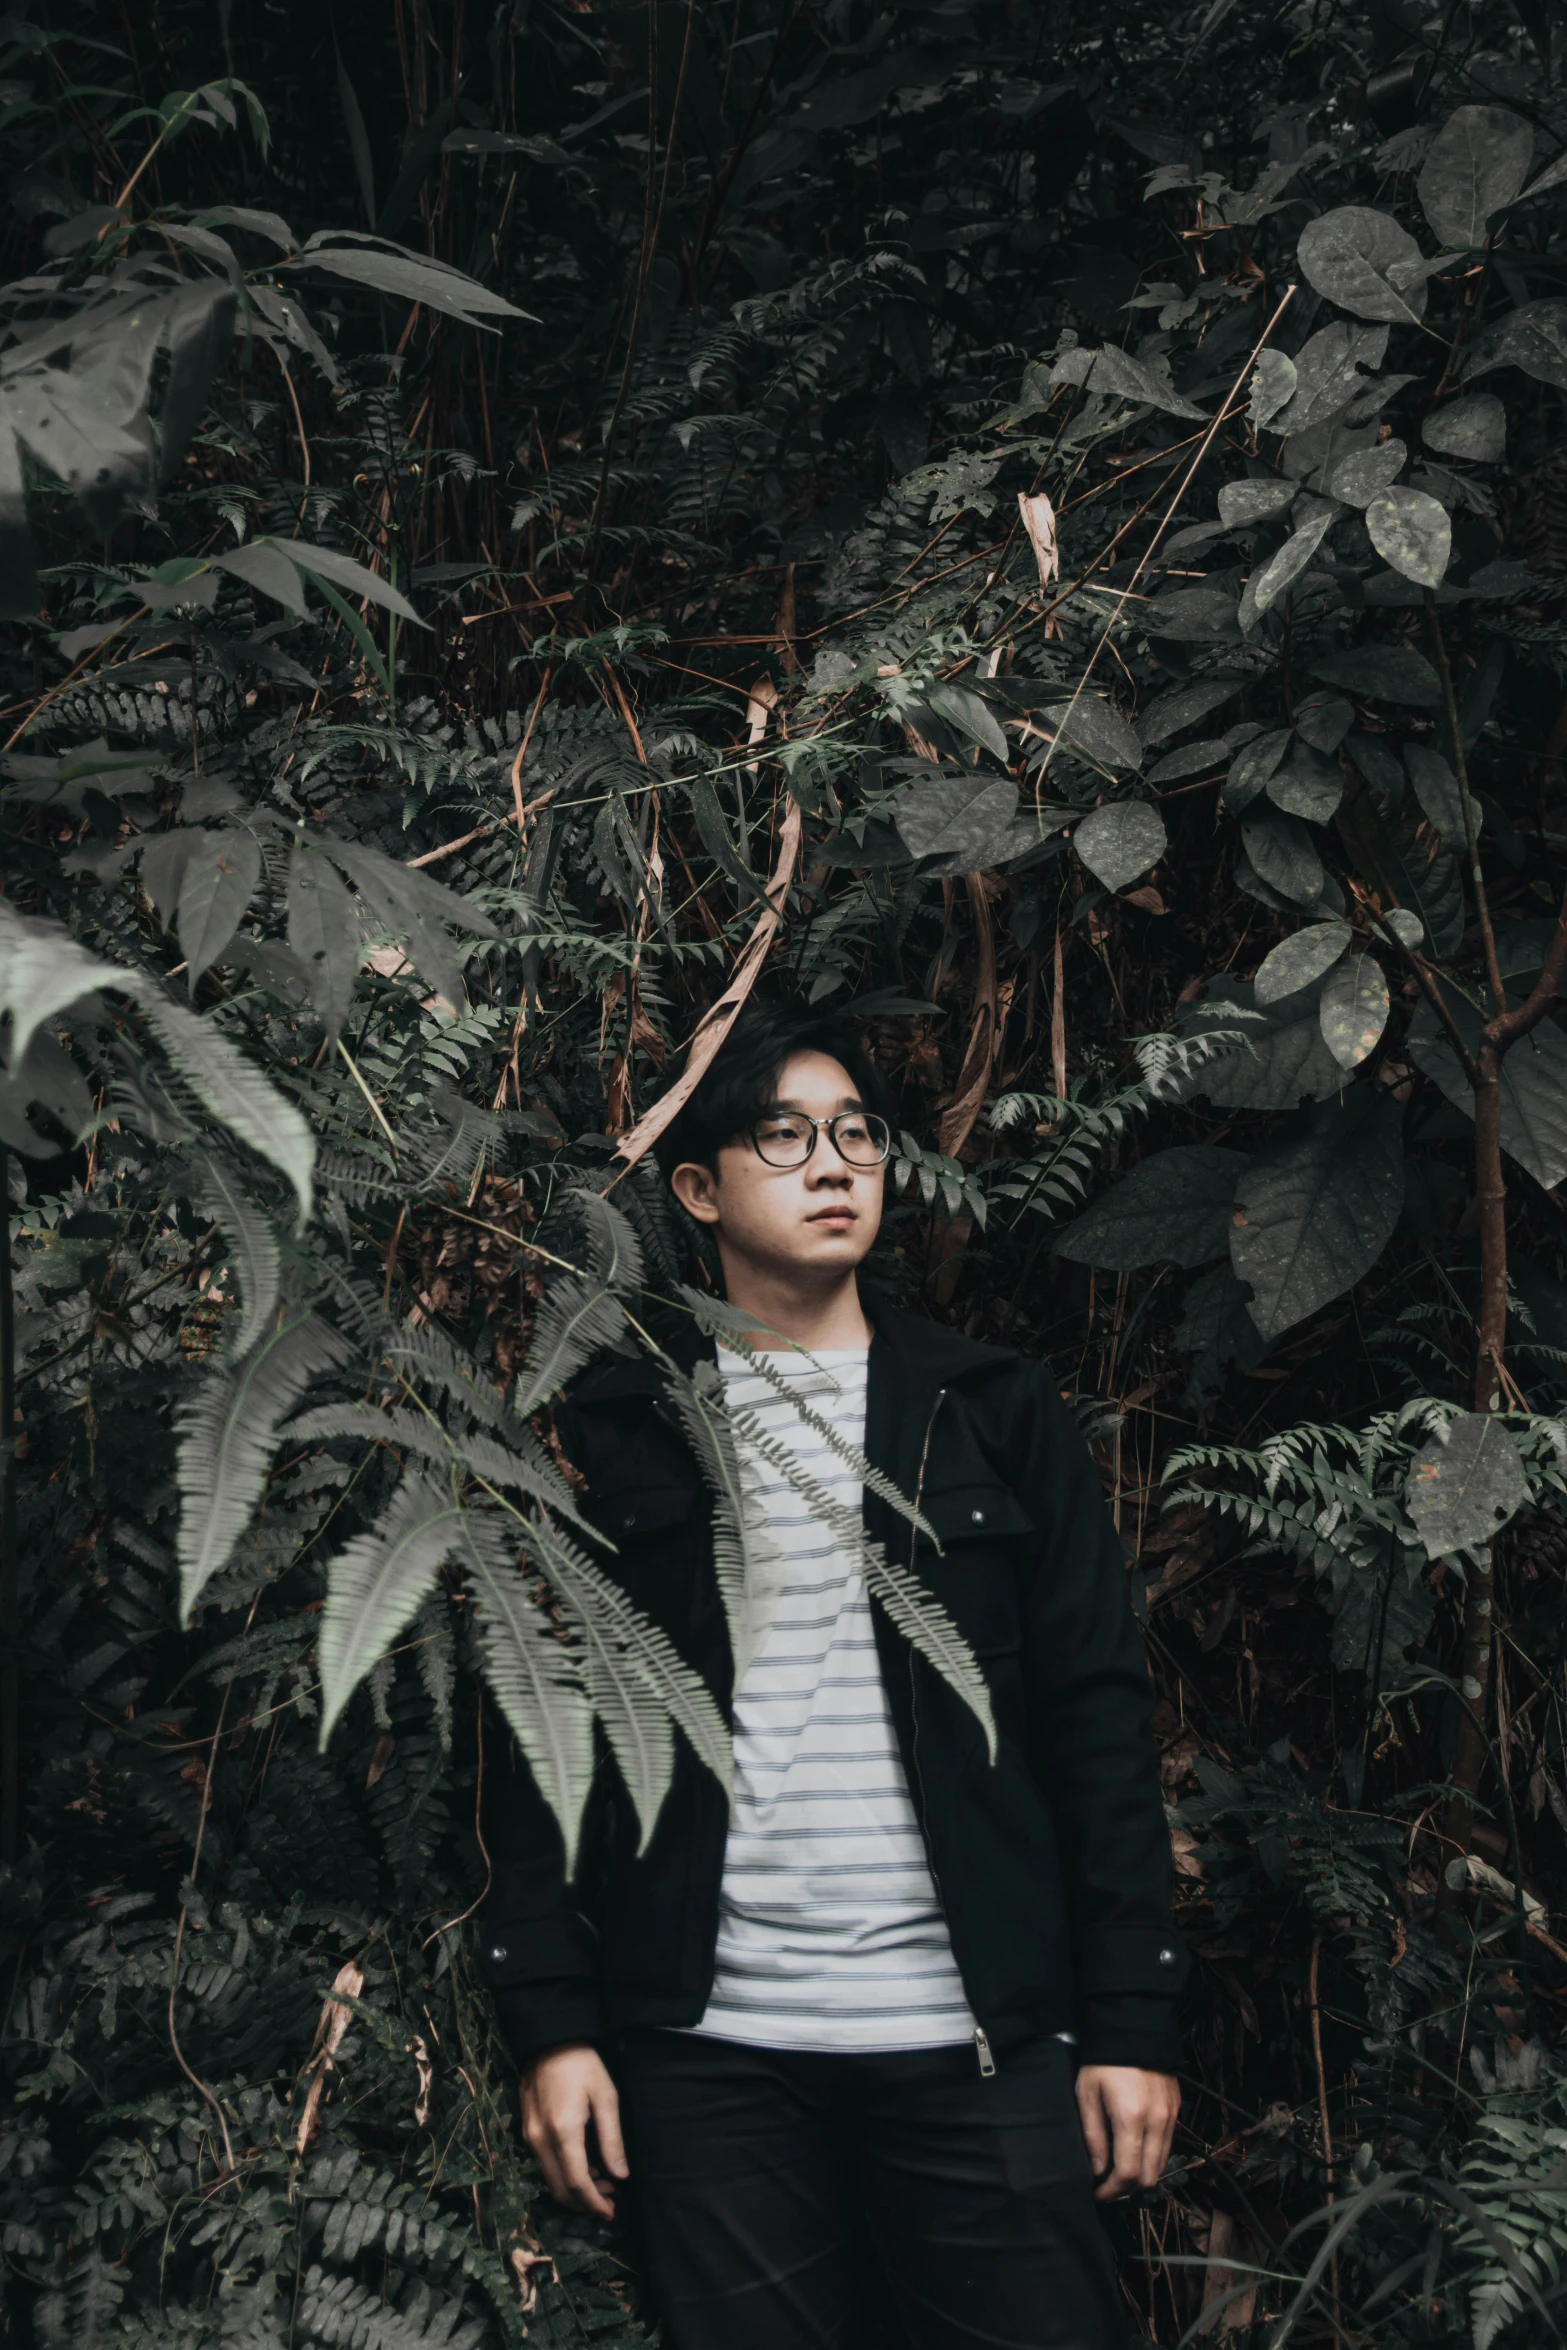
(884, 502)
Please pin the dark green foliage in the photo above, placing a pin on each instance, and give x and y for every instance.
(465, 489)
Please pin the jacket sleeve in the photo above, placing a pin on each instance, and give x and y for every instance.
(537, 1950)
(1092, 1748)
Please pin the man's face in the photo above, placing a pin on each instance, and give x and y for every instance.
(812, 1221)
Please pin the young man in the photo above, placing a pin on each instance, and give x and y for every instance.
(854, 2009)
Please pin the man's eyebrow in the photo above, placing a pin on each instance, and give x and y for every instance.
(847, 1102)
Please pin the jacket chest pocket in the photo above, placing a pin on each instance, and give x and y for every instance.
(655, 1531)
(981, 1526)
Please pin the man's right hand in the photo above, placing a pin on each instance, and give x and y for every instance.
(561, 2094)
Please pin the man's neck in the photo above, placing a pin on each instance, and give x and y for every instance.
(822, 1321)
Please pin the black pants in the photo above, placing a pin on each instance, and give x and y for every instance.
(762, 2179)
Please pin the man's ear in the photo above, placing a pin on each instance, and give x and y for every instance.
(696, 1188)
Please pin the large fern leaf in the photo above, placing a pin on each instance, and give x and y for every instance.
(534, 1677)
(698, 1403)
(528, 1469)
(252, 1245)
(227, 1434)
(636, 1679)
(376, 1583)
(230, 1089)
(581, 1313)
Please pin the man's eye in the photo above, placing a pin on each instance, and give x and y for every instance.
(782, 1129)
(853, 1129)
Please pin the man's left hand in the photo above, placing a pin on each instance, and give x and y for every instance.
(1128, 2121)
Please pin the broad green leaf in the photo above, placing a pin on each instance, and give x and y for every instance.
(323, 931)
(1268, 583)
(1295, 962)
(375, 1584)
(1097, 728)
(1182, 707)
(1323, 720)
(1477, 164)
(1317, 1205)
(265, 566)
(972, 715)
(1306, 785)
(968, 822)
(1193, 616)
(1283, 854)
(415, 909)
(1436, 788)
(1533, 1087)
(1251, 768)
(1120, 841)
(222, 870)
(1361, 259)
(1383, 673)
(1533, 337)
(1474, 427)
(1118, 374)
(354, 579)
(411, 280)
(1397, 863)
(1465, 1484)
(1274, 1063)
(1366, 473)
(1377, 763)
(1243, 502)
(1407, 927)
(1273, 384)
(1354, 1009)
(227, 1434)
(1412, 532)
(1173, 1208)
(1328, 374)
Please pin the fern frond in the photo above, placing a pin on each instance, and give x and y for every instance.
(251, 1241)
(535, 1679)
(525, 1471)
(581, 1312)
(227, 1434)
(375, 1585)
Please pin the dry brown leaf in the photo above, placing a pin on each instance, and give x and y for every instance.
(1039, 520)
(336, 2016)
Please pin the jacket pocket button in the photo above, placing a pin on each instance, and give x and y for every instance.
(629, 1520)
(497, 1953)
(978, 1517)
(1167, 1958)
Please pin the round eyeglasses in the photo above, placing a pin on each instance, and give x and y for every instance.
(787, 1138)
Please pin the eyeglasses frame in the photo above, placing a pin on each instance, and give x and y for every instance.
(793, 1166)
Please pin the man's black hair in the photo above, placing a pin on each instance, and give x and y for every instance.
(741, 1083)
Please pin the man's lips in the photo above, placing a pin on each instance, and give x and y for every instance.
(834, 1216)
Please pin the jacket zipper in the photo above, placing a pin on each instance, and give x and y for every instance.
(982, 2050)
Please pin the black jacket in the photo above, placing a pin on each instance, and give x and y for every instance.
(1052, 1866)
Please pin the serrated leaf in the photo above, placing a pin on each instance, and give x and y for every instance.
(323, 931)
(231, 1089)
(1474, 427)
(1243, 502)
(1361, 259)
(1463, 1487)
(1365, 473)
(1354, 1007)
(581, 1311)
(1120, 841)
(227, 1434)
(250, 1241)
(42, 971)
(1174, 1208)
(1477, 164)
(1317, 1205)
(375, 1584)
(1412, 532)
(1295, 962)
(535, 1679)
(221, 872)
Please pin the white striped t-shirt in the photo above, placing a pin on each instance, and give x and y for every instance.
(830, 1934)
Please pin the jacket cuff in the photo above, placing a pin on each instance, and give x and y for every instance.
(546, 2016)
(1130, 2029)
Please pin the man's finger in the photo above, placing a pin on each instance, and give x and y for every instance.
(606, 2121)
(1090, 2107)
(581, 2186)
